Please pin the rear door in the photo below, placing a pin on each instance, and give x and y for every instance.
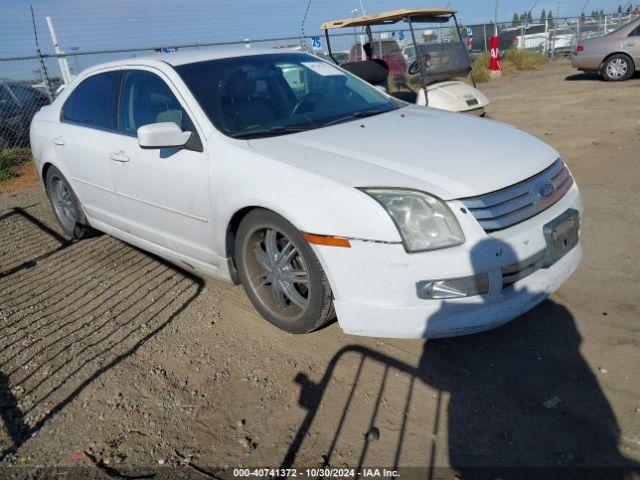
(82, 143)
(632, 46)
(163, 193)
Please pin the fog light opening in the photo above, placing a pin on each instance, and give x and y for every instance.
(453, 287)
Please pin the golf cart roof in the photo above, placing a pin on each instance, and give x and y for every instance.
(428, 14)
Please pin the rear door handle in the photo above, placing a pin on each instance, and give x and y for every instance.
(58, 141)
(118, 156)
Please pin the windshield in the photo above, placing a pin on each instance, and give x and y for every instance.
(274, 94)
(443, 60)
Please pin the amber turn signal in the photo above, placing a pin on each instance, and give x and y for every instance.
(327, 240)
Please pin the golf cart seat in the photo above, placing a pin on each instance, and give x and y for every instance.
(373, 71)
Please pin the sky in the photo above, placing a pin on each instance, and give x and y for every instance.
(85, 25)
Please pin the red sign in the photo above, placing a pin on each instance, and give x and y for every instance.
(495, 53)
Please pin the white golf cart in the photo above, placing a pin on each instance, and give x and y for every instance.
(436, 64)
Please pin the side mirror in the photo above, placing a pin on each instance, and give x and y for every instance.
(162, 135)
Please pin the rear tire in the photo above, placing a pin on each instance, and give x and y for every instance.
(617, 68)
(281, 274)
(66, 206)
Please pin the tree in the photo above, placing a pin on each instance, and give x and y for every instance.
(543, 15)
(514, 22)
(619, 9)
(550, 18)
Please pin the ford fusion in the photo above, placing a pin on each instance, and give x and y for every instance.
(325, 197)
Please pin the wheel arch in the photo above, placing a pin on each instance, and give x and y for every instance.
(43, 175)
(604, 61)
(232, 228)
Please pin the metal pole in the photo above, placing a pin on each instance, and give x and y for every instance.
(484, 34)
(62, 61)
(370, 37)
(495, 22)
(455, 20)
(423, 65)
(354, 12)
(326, 35)
(44, 68)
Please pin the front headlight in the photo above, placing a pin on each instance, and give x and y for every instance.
(424, 221)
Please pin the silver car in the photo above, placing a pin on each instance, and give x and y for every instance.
(614, 56)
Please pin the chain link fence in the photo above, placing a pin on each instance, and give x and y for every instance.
(28, 83)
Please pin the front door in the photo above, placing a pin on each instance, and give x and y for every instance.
(164, 193)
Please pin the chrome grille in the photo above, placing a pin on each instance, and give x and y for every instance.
(519, 202)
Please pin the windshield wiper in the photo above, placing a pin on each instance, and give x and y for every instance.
(265, 132)
(355, 116)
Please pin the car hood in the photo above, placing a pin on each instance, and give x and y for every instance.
(447, 154)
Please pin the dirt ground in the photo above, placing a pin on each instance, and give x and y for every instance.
(109, 351)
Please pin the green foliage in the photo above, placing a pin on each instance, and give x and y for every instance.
(10, 158)
(480, 67)
(512, 61)
(525, 59)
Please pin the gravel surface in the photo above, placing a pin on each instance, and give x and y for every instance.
(109, 351)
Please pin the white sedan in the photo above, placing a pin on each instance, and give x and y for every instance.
(322, 195)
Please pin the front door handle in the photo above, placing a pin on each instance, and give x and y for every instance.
(118, 156)
(58, 141)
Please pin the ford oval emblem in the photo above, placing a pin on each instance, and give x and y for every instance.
(547, 190)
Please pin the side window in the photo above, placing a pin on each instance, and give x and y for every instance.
(92, 103)
(635, 32)
(145, 98)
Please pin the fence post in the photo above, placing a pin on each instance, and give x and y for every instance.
(484, 35)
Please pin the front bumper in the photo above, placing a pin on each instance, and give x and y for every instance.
(374, 284)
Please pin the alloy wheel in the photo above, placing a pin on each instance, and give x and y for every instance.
(63, 201)
(277, 272)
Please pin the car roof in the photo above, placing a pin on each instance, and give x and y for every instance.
(190, 56)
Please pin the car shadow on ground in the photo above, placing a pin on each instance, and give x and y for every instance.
(593, 76)
(519, 401)
(70, 312)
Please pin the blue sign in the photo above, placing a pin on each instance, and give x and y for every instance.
(469, 32)
(525, 25)
(317, 45)
(401, 36)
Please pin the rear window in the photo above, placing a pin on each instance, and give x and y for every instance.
(92, 103)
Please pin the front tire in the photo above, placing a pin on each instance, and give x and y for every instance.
(281, 274)
(66, 205)
(617, 68)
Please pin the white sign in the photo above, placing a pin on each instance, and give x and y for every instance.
(322, 68)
